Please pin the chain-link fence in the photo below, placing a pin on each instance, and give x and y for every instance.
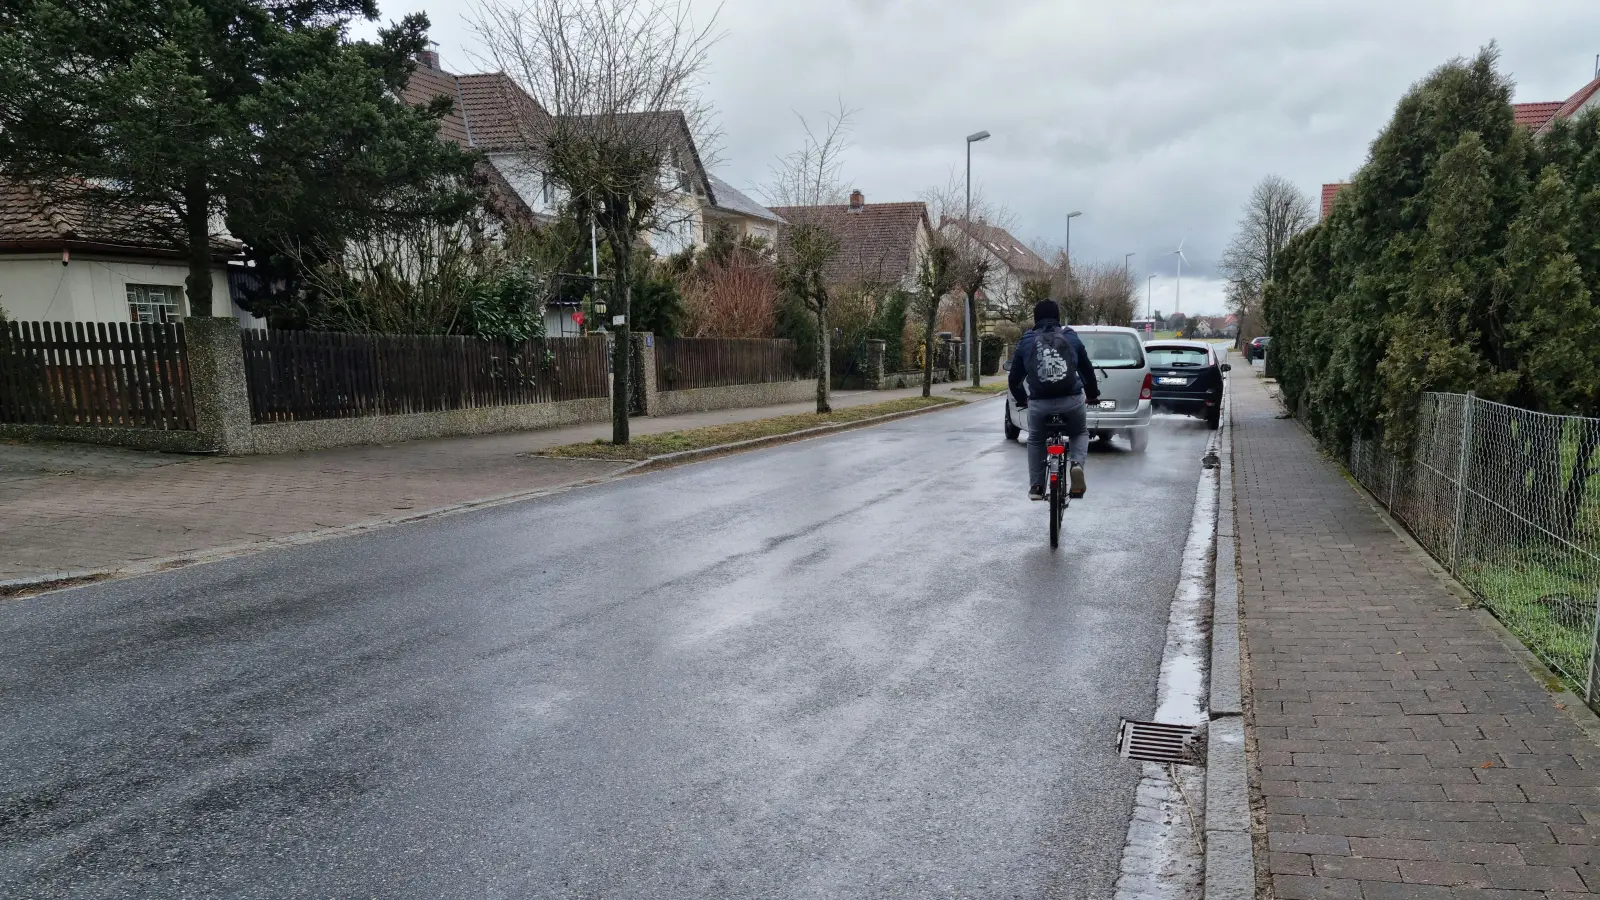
(1509, 500)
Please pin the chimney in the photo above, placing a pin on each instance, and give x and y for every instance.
(428, 59)
(857, 201)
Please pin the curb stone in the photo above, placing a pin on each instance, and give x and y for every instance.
(1230, 864)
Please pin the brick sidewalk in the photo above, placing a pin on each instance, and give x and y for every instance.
(1403, 749)
(72, 508)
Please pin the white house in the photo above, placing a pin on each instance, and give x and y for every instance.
(64, 261)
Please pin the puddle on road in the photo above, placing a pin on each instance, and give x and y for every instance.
(1164, 856)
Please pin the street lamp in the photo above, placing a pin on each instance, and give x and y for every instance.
(1125, 258)
(1149, 285)
(966, 226)
(1068, 249)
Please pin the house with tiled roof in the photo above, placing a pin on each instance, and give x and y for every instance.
(879, 243)
(489, 112)
(65, 256)
(1011, 262)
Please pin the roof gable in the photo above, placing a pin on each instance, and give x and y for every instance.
(1002, 244)
(488, 111)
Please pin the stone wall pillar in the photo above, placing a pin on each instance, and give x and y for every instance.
(644, 356)
(875, 354)
(217, 383)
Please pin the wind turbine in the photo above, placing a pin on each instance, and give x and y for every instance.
(1177, 294)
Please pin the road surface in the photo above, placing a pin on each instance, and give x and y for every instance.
(845, 667)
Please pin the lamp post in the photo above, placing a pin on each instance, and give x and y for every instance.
(1068, 249)
(1149, 285)
(966, 226)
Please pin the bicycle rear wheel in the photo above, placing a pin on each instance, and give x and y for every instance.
(1058, 500)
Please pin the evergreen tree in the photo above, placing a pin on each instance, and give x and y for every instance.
(259, 111)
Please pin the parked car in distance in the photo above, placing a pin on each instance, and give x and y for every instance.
(1257, 348)
(1124, 378)
(1187, 379)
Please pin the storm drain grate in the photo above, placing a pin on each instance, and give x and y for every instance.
(1156, 742)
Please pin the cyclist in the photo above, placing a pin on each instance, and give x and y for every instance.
(1060, 380)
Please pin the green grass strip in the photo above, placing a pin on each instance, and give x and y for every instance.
(645, 446)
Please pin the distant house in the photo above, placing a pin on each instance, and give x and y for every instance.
(491, 113)
(1540, 116)
(879, 243)
(1011, 262)
(66, 259)
(1330, 191)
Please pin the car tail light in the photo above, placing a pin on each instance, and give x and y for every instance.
(1144, 392)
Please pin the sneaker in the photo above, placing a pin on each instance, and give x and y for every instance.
(1036, 492)
(1078, 487)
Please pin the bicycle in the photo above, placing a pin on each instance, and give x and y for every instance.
(1055, 467)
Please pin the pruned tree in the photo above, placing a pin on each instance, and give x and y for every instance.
(622, 119)
(806, 182)
(1274, 214)
(935, 282)
(174, 114)
(973, 268)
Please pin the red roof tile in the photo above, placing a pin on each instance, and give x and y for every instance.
(1329, 191)
(878, 242)
(1534, 115)
(1571, 105)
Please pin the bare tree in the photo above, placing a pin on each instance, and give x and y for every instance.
(973, 267)
(1275, 212)
(807, 183)
(622, 120)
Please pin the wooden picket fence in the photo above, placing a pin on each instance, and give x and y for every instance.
(99, 374)
(303, 375)
(684, 363)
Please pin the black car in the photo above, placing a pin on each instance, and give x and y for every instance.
(1186, 377)
(1257, 348)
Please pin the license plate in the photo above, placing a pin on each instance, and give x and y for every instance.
(1172, 381)
(1108, 404)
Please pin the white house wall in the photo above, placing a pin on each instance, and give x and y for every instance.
(37, 287)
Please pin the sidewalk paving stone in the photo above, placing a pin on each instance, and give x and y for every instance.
(1402, 750)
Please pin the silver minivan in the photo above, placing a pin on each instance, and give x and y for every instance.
(1123, 373)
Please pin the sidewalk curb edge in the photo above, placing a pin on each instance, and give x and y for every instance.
(1230, 863)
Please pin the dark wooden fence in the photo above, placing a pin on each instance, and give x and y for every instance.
(683, 363)
(300, 375)
(99, 374)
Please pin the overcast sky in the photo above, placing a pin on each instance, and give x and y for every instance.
(1153, 118)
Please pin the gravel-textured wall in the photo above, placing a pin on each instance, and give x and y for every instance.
(282, 437)
(672, 403)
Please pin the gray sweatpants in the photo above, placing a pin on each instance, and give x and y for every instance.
(1076, 415)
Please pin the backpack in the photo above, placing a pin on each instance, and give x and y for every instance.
(1055, 364)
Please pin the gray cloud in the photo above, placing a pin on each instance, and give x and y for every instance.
(1154, 118)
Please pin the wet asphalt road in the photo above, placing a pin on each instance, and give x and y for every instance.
(847, 667)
